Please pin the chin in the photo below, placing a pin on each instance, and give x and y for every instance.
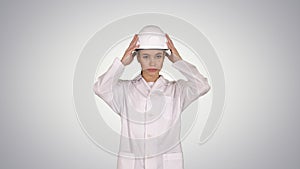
(152, 73)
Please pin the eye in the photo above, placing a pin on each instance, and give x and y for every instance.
(145, 56)
(159, 56)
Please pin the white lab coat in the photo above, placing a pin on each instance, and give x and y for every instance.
(150, 117)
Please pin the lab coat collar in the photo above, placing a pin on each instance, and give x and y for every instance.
(160, 81)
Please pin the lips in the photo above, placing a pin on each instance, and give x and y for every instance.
(152, 70)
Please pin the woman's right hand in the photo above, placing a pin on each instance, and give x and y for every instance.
(128, 55)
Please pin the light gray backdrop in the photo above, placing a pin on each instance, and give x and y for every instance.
(258, 46)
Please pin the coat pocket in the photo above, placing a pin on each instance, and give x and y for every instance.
(126, 161)
(172, 161)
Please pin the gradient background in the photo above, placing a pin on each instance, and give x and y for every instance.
(257, 43)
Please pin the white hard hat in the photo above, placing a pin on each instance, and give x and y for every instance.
(152, 37)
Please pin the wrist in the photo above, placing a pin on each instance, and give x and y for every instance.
(122, 61)
(177, 60)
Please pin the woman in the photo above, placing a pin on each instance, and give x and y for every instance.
(150, 105)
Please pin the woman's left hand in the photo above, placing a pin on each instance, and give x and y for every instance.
(174, 53)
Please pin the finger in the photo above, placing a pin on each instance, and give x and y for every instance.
(132, 48)
(168, 37)
(135, 38)
(171, 42)
(133, 41)
(170, 45)
(134, 45)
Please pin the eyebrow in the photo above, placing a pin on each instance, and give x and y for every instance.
(149, 54)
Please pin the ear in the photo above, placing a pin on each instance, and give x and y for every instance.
(138, 57)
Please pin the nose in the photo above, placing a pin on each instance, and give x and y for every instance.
(152, 62)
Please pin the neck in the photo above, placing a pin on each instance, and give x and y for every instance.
(150, 78)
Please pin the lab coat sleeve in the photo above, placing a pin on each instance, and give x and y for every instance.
(195, 86)
(109, 87)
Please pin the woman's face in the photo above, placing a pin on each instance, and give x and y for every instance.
(151, 60)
